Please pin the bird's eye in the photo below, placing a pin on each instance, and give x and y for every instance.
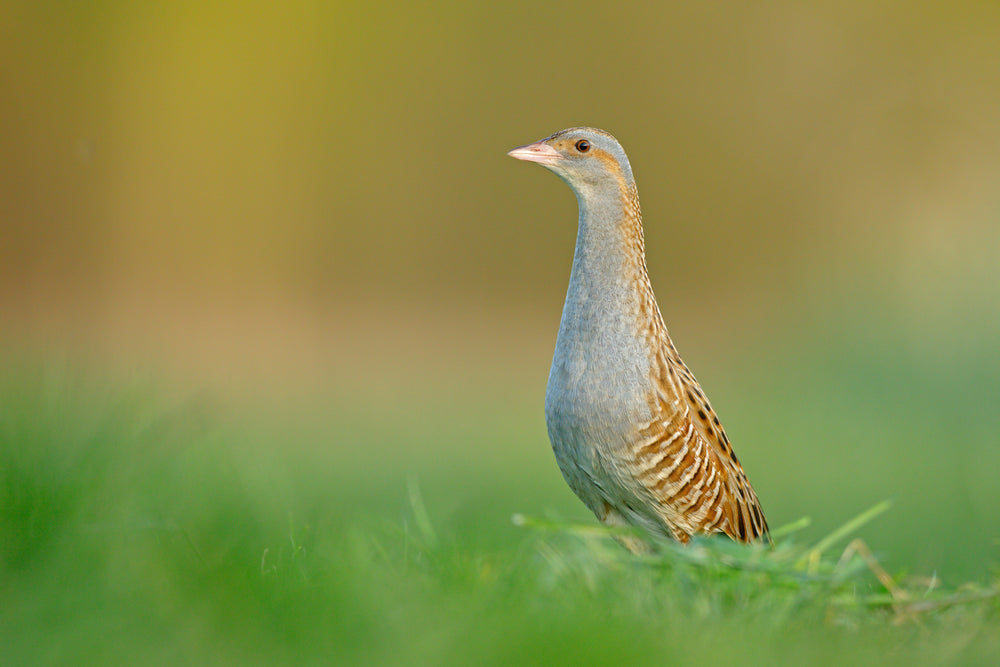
(583, 145)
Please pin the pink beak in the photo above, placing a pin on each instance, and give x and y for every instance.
(538, 152)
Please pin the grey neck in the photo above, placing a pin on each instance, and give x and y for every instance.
(602, 357)
(608, 263)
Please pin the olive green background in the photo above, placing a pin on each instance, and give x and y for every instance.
(303, 214)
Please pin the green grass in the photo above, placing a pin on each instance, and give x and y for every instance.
(140, 530)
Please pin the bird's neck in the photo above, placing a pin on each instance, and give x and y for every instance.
(609, 279)
(607, 343)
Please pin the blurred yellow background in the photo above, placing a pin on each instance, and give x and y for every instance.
(263, 196)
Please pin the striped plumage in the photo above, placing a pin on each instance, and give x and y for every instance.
(632, 431)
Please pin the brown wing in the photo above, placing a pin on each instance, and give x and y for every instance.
(684, 460)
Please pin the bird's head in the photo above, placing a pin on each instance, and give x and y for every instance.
(591, 161)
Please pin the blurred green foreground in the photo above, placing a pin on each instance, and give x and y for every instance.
(141, 525)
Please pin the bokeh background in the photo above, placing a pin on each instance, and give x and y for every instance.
(302, 214)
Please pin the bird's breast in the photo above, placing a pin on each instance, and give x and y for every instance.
(599, 378)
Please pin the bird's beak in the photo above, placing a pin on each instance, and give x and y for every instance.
(539, 152)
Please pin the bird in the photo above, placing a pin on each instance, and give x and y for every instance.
(632, 431)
